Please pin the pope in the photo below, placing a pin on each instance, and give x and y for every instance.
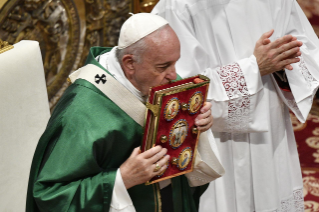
(88, 158)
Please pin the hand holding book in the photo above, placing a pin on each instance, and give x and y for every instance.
(170, 122)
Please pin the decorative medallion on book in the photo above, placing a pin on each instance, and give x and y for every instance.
(178, 133)
(170, 122)
(171, 109)
(195, 102)
(184, 158)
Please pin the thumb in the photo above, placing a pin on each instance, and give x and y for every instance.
(266, 35)
(266, 41)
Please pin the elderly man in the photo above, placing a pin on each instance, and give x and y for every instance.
(89, 159)
(251, 95)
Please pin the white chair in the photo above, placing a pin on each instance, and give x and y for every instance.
(24, 113)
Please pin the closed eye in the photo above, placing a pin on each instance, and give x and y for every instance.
(163, 67)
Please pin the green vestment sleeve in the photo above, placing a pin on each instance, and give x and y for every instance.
(88, 138)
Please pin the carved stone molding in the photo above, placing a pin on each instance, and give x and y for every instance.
(4, 46)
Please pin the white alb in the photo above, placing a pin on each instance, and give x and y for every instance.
(251, 113)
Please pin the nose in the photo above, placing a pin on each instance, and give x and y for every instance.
(171, 75)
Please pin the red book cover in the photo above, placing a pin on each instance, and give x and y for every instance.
(169, 122)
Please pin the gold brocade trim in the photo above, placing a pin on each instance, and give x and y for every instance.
(157, 198)
(154, 108)
(171, 176)
(4, 46)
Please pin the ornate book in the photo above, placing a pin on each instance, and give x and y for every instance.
(169, 122)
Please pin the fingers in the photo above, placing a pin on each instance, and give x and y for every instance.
(154, 154)
(135, 152)
(296, 55)
(276, 55)
(152, 151)
(158, 156)
(201, 119)
(162, 163)
(288, 46)
(205, 124)
(266, 35)
(288, 54)
(291, 53)
(204, 120)
(290, 61)
(293, 56)
(287, 39)
(289, 67)
(206, 107)
(139, 167)
(293, 39)
(280, 41)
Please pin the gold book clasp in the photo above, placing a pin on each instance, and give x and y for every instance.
(153, 108)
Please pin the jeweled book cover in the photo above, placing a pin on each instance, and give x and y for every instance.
(169, 122)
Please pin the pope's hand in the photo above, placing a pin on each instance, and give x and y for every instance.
(141, 167)
(277, 55)
(204, 120)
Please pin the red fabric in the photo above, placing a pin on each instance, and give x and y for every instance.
(282, 85)
(311, 189)
(308, 155)
(307, 138)
(165, 126)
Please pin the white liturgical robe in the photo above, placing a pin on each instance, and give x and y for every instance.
(252, 125)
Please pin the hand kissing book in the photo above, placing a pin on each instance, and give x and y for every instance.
(170, 116)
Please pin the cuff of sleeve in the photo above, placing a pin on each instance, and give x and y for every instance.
(301, 79)
(207, 166)
(216, 89)
(120, 197)
(304, 85)
(251, 74)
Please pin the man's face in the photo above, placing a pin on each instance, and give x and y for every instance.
(157, 65)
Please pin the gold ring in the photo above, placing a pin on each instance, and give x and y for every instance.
(157, 167)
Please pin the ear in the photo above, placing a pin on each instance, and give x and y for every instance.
(128, 64)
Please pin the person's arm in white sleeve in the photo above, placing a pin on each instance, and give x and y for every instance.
(195, 60)
(207, 166)
(121, 200)
(236, 89)
(304, 78)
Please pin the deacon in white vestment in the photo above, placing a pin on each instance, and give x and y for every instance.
(251, 112)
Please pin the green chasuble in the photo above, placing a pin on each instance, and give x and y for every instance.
(86, 140)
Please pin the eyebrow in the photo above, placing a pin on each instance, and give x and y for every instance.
(164, 64)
